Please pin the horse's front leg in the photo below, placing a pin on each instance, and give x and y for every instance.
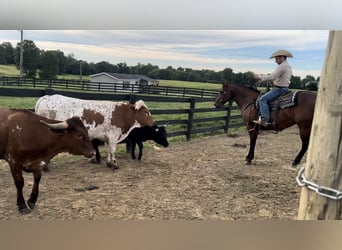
(35, 189)
(253, 135)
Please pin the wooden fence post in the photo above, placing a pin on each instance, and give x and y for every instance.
(229, 110)
(324, 160)
(190, 118)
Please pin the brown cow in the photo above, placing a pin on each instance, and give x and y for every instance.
(28, 140)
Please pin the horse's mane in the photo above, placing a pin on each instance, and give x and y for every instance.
(244, 86)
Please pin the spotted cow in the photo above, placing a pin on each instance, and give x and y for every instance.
(28, 141)
(107, 121)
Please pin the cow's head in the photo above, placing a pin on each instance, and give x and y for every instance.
(143, 114)
(160, 135)
(75, 136)
(125, 116)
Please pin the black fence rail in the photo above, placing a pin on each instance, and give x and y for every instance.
(193, 115)
(87, 86)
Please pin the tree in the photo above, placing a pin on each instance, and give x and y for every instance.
(31, 58)
(49, 65)
(228, 75)
(166, 74)
(106, 67)
(62, 61)
(312, 85)
(6, 53)
(2, 55)
(307, 79)
(324, 160)
(72, 65)
(123, 68)
(295, 83)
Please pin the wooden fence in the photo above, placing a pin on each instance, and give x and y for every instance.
(87, 86)
(192, 119)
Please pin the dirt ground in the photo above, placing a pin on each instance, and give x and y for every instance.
(204, 179)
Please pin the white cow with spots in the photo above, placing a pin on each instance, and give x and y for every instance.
(108, 121)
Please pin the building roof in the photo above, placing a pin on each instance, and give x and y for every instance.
(120, 76)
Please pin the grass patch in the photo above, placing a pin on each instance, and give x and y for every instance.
(185, 84)
(9, 70)
(18, 102)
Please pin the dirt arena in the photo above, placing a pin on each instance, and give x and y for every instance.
(204, 179)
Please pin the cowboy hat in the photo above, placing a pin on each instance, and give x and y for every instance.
(281, 53)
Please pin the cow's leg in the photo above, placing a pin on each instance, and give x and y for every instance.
(133, 149)
(95, 143)
(111, 160)
(253, 135)
(140, 145)
(35, 189)
(19, 184)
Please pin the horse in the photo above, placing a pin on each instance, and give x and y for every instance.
(246, 98)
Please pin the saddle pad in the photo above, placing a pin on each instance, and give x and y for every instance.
(284, 101)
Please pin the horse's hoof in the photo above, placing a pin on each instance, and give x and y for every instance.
(288, 167)
(295, 164)
(248, 162)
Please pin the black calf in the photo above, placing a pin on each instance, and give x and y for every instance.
(138, 136)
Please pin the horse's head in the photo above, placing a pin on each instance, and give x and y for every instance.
(225, 95)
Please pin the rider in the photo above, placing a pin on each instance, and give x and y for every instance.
(281, 79)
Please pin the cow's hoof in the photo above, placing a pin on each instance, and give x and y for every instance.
(94, 161)
(111, 165)
(248, 162)
(31, 204)
(25, 210)
(46, 168)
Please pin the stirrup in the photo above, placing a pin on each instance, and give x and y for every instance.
(261, 122)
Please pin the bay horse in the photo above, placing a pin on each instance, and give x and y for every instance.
(246, 98)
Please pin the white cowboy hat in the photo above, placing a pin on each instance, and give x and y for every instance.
(281, 53)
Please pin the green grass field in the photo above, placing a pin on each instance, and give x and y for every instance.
(8, 70)
(185, 84)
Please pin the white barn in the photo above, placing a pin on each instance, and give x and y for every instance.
(121, 82)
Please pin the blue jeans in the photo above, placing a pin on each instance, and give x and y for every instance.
(264, 108)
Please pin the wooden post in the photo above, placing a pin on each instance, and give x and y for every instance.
(229, 111)
(190, 118)
(324, 160)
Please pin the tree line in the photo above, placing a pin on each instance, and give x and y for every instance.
(47, 64)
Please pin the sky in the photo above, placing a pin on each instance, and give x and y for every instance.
(240, 50)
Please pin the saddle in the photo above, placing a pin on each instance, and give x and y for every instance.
(284, 101)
